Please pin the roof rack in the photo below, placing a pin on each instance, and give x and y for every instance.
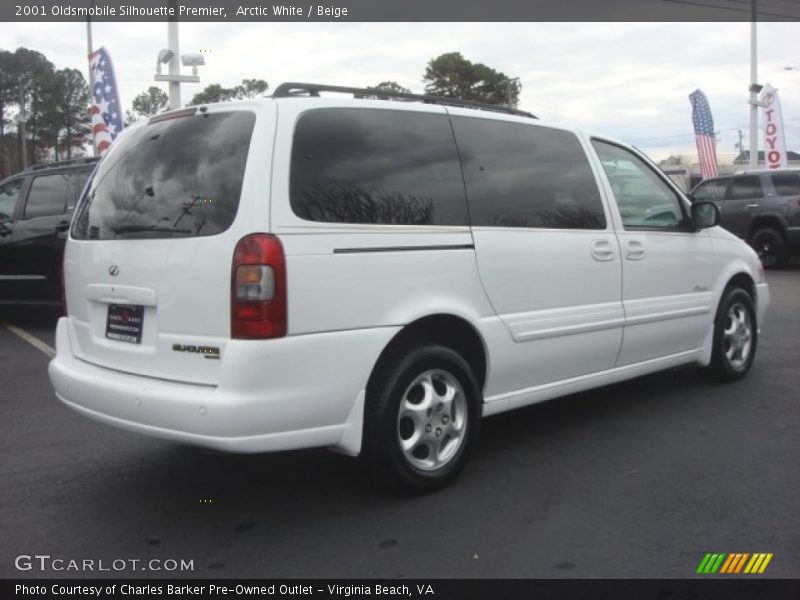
(292, 89)
(64, 163)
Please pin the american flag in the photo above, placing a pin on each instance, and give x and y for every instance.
(704, 134)
(106, 108)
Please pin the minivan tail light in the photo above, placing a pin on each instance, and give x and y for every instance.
(258, 288)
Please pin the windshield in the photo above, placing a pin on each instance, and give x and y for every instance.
(178, 177)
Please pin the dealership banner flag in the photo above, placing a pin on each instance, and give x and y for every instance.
(704, 134)
(106, 109)
(774, 133)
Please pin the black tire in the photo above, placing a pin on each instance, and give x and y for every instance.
(404, 378)
(770, 247)
(728, 360)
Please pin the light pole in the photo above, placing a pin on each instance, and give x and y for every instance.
(89, 50)
(754, 87)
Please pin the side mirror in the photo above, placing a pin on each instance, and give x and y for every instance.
(704, 215)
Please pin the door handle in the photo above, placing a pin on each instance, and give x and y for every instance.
(634, 250)
(752, 206)
(602, 250)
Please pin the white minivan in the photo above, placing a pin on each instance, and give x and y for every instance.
(375, 274)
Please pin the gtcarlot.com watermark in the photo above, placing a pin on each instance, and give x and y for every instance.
(47, 563)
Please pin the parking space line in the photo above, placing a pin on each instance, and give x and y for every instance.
(32, 340)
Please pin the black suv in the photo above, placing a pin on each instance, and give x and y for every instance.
(761, 207)
(36, 206)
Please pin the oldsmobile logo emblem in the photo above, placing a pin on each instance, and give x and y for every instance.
(113, 270)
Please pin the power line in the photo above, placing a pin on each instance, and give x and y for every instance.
(737, 9)
(691, 135)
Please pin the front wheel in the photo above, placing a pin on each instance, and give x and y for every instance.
(735, 336)
(422, 418)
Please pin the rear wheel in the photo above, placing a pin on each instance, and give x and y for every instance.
(421, 419)
(735, 336)
(770, 247)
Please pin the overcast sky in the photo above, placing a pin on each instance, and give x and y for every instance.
(630, 80)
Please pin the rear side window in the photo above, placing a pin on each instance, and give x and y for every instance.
(48, 196)
(710, 190)
(786, 184)
(178, 177)
(521, 175)
(746, 186)
(77, 181)
(353, 165)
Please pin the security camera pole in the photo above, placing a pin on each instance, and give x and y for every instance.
(174, 77)
(174, 62)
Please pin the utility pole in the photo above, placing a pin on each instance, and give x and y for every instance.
(739, 145)
(753, 87)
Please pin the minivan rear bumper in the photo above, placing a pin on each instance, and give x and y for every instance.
(294, 392)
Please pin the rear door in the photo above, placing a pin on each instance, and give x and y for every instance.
(148, 265)
(742, 203)
(547, 253)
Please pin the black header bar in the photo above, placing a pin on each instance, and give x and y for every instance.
(399, 10)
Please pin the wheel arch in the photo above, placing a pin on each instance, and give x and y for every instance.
(767, 221)
(737, 275)
(450, 330)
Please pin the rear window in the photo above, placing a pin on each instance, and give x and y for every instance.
(179, 177)
(55, 194)
(786, 184)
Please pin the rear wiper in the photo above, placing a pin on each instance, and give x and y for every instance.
(138, 228)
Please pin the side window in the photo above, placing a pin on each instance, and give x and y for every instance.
(786, 184)
(9, 196)
(711, 190)
(520, 175)
(645, 201)
(77, 180)
(48, 196)
(745, 186)
(354, 165)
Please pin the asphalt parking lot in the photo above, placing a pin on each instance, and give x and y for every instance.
(639, 479)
